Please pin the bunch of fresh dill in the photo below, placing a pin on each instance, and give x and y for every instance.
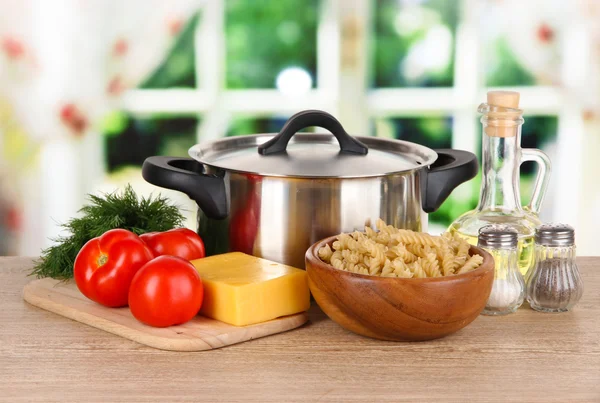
(103, 213)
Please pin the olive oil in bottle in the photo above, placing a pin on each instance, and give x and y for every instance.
(502, 155)
(525, 248)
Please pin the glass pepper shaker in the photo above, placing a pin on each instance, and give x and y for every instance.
(554, 283)
(508, 291)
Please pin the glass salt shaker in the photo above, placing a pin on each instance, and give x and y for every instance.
(508, 290)
(554, 283)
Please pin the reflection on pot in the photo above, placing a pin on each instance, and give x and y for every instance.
(286, 214)
(243, 226)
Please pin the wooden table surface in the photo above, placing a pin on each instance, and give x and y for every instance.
(525, 357)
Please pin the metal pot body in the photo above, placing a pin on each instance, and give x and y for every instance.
(273, 196)
(278, 218)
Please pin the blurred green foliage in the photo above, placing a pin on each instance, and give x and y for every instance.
(241, 125)
(430, 131)
(265, 36)
(140, 138)
(457, 203)
(389, 47)
(538, 131)
(178, 67)
(502, 68)
(114, 123)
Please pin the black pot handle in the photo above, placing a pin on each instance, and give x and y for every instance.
(308, 118)
(187, 175)
(452, 168)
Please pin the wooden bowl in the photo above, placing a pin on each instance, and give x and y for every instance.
(400, 309)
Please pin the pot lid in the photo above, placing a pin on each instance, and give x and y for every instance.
(313, 155)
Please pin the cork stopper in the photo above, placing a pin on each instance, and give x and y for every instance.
(503, 125)
(504, 99)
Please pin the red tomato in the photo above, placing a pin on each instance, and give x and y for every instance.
(180, 242)
(105, 266)
(166, 291)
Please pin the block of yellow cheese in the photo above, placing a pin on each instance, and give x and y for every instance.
(241, 290)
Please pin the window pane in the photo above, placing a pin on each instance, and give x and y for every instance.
(538, 132)
(414, 43)
(129, 141)
(433, 132)
(178, 67)
(251, 125)
(271, 44)
(521, 42)
(502, 67)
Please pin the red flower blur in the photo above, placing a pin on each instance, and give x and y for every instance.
(74, 119)
(115, 86)
(120, 48)
(175, 26)
(545, 33)
(13, 219)
(12, 47)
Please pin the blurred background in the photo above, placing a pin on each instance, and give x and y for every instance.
(89, 88)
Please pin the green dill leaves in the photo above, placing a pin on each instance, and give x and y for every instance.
(102, 213)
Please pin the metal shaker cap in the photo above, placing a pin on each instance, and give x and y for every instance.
(498, 236)
(555, 235)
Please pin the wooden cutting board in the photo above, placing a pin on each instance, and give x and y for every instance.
(199, 334)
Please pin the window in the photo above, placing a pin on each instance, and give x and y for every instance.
(415, 69)
(413, 45)
(158, 134)
(267, 41)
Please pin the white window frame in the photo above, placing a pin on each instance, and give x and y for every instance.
(343, 90)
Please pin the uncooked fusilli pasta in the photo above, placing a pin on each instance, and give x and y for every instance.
(393, 252)
(473, 262)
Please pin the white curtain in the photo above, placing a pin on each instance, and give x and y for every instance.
(63, 65)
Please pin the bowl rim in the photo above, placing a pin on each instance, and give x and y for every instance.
(313, 257)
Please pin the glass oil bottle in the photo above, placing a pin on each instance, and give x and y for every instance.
(502, 155)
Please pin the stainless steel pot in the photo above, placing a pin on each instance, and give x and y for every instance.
(273, 195)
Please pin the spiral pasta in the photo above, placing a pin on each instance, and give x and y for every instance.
(430, 265)
(401, 269)
(336, 260)
(473, 262)
(462, 254)
(351, 256)
(449, 263)
(325, 253)
(417, 270)
(400, 251)
(393, 252)
(345, 241)
(419, 238)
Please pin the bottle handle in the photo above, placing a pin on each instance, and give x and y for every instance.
(542, 178)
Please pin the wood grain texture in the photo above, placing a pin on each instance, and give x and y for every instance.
(199, 334)
(401, 309)
(523, 357)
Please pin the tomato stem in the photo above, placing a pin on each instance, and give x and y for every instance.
(102, 259)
